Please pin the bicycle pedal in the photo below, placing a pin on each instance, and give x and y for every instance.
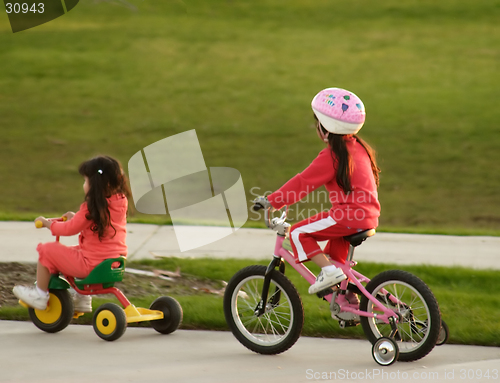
(327, 291)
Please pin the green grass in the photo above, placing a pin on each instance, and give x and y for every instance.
(109, 79)
(469, 299)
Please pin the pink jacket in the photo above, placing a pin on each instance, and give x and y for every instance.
(359, 209)
(112, 244)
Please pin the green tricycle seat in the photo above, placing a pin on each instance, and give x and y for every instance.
(104, 274)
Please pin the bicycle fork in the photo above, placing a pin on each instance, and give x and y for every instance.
(275, 298)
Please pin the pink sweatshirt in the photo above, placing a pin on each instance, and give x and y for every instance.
(112, 245)
(359, 209)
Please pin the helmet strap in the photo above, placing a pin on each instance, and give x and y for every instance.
(322, 132)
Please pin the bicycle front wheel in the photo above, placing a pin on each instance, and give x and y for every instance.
(279, 327)
(419, 319)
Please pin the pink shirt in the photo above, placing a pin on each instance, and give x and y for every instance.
(358, 209)
(111, 245)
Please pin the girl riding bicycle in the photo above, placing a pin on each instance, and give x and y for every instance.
(101, 222)
(348, 170)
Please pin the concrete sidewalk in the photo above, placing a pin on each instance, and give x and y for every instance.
(77, 355)
(18, 241)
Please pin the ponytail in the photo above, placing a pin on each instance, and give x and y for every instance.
(371, 154)
(343, 163)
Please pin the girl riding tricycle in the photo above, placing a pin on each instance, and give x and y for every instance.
(94, 265)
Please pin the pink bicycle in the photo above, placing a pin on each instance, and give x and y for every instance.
(398, 312)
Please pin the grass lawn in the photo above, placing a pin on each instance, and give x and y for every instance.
(469, 299)
(114, 77)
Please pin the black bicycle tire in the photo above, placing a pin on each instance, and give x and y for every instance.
(296, 306)
(429, 299)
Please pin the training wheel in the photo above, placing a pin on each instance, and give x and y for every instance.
(385, 351)
(444, 333)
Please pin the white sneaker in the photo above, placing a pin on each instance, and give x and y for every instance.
(327, 279)
(81, 303)
(31, 297)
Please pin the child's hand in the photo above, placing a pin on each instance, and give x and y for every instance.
(69, 215)
(44, 222)
(262, 203)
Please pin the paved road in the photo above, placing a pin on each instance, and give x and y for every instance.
(142, 355)
(78, 355)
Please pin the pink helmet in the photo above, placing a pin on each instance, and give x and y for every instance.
(339, 111)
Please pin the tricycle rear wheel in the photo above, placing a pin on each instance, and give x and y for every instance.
(109, 321)
(172, 315)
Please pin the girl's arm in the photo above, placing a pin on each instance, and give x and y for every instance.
(69, 215)
(318, 173)
(73, 226)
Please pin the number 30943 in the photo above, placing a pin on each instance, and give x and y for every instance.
(24, 8)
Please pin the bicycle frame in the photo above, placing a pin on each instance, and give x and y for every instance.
(280, 254)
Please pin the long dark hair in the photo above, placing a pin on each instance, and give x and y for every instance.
(342, 159)
(106, 178)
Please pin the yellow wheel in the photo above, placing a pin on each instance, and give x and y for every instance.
(109, 321)
(58, 313)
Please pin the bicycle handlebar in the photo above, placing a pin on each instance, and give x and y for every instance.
(257, 207)
(277, 224)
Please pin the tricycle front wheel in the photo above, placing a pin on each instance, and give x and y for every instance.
(57, 315)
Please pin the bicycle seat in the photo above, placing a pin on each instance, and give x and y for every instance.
(104, 273)
(358, 238)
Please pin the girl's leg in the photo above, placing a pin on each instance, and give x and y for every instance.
(68, 260)
(304, 238)
(58, 258)
(42, 277)
(321, 260)
(35, 296)
(53, 257)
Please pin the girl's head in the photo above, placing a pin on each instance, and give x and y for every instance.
(341, 113)
(104, 177)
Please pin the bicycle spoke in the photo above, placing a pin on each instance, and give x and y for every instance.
(278, 322)
(410, 306)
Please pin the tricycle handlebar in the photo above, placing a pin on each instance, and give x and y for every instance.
(39, 224)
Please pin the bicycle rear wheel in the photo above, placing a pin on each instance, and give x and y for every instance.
(281, 324)
(419, 319)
